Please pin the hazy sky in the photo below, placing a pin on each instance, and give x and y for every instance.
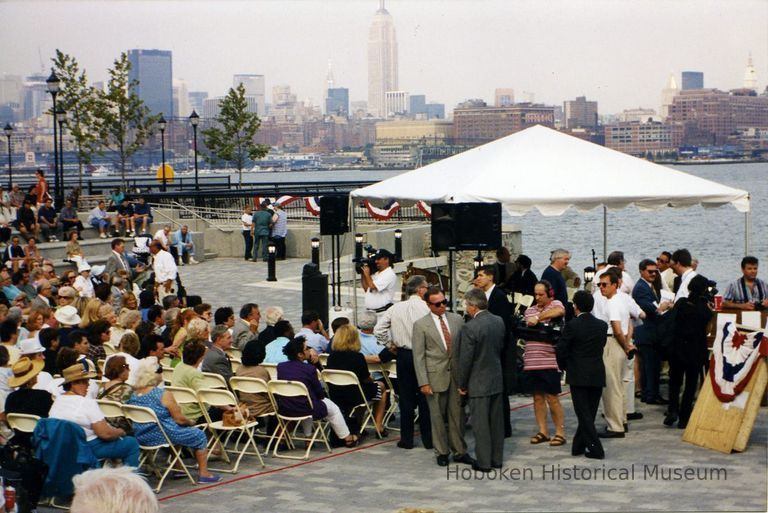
(617, 52)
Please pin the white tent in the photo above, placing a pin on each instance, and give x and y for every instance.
(545, 169)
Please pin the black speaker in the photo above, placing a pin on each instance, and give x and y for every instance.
(334, 215)
(464, 226)
(314, 292)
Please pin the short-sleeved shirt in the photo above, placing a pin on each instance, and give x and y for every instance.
(738, 292)
(142, 210)
(47, 213)
(617, 309)
(247, 222)
(83, 411)
(540, 355)
(125, 210)
(314, 340)
(261, 221)
(274, 351)
(386, 286)
(188, 377)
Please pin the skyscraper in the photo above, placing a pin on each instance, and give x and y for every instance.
(668, 95)
(382, 61)
(750, 75)
(693, 80)
(337, 101)
(254, 86)
(153, 69)
(580, 113)
(504, 97)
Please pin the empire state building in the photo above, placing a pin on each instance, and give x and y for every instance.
(382, 60)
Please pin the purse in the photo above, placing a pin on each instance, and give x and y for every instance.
(235, 417)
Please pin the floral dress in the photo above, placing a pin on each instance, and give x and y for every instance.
(150, 435)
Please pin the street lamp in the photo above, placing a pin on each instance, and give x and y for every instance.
(271, 248)
(195, 119)
(62, 118)
(478, 261)
(398, 245)
(315, 243)
(8, 132)
(358, 246)
(589, 275)
(161, 123)
(53, 83)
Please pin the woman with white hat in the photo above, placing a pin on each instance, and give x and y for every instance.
(32, 349)
(83, 282)
(27, 399)
(104, 440)
(68, 322)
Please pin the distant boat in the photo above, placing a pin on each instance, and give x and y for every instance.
(288, 162)
(98, 171)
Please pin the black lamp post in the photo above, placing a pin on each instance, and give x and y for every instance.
(161, 124)
(61, 116)
(398, 245)
(8, 132)
(271, 248)
(589, 275)
(478, 261)
(315, 243)
(53, 87)
(195, 119)
(358, 246)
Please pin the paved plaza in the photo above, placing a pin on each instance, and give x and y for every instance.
(646, 471)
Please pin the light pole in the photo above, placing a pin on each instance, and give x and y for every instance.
(358, 246)
(315, 243)
(271, 248)
(195, 119)
(53, 87)
(62, 117)
(8, 132)
(162, 124)
(398, 245)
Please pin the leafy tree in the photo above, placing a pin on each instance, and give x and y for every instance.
(125, 122)
(78, 100)
(230, 139)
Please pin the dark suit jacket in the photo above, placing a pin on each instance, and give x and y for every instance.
(498, 304)
(580, 351)
(479, 347)
(216, 361)
(644, 297)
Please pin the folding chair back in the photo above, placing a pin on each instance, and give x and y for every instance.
(100, 364)
(183, 395)
(110, 409)
(166, 361)
(234, 352)
(236, 363)
(323, 359)
(213, 380)
(109, 349)
(167, 375)
(248, 385)
(22, 422)
(272, 369)
(344, 378)
(283, 388)
(216, 397)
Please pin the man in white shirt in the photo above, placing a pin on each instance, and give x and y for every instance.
(246, 220)
(164, 236)
(313, 331)
(165, 270)
(681, 264)
(664, 263)
(380, 288)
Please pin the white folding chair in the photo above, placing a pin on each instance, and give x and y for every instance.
(100, 364)
(224, 398)
(282, 388)
(166, 361)
(184, 396)
(236, 363)
(142, 415)
(245, 385)
(389, 370)
(167, 374)
(109, 349)
(213, 380)
(22, 422)
(342, 378)
(323, 357)
(234, 352)
(110, 409)
(271, 368)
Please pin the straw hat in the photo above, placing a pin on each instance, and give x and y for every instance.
(69, 292)
(67, 315)
(30, 346)
(83, 369)
(23, 370)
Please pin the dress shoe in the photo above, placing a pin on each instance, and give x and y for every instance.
(404, 445)
(670, 419)
(496, 465)
(682, 424)
(634, 416)
(594, 455)
(464, 458)
(658, 400)
(626, 427)
(428, 445)
(478, 468)
(610, 434)
(442, 460)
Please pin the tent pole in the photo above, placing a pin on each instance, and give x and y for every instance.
(747, 230)
(354, 274)
(605, 233)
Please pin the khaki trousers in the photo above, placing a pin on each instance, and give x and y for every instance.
(614, 402)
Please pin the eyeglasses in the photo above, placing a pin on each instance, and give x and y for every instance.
(602, 284)
(652, 271)
(438, 304)
(662, 261)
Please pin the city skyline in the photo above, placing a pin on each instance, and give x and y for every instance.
(619, 54)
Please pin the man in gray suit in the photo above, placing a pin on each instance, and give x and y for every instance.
(435, 364)
(246, 328)
(479, 347)
(216, 359)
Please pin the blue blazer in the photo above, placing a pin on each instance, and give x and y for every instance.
(61, 444)
(645, 298)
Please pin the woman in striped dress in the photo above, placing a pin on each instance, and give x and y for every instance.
(540, 365)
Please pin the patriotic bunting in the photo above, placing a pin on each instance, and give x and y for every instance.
(382, 214)
(734, 358)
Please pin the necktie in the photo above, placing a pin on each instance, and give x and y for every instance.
(446, 335)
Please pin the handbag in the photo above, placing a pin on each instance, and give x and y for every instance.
(236, 416)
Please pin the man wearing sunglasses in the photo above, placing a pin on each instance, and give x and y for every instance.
(664, 263)
(434, 360)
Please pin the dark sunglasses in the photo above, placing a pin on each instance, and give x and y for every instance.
(440, 303)
(662, 261)
(652, 271)
(603, 285)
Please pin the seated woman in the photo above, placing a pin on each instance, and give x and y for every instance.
(187, 375)
(346, 356)
(74, 251)
(104, 440)
(117, 370)
(253, 355)
(540, 366)
(296, 369)
(283, 333)
(26, 399)
(272, 315)
(177, 426)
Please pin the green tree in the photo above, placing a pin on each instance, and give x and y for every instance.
(230, 139)
(79, 101)
(125, 122)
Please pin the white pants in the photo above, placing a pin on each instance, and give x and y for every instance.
(629, 384)
(335, 418)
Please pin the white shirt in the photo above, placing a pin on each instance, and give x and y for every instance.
(84, 286)
(396, 324)
(436, 320)
(46, 382)
(247, 222)
(627, 283)
(133, 367)
(668, 279)
(82, 411)
(314, 340)
(162, 237)
(386, 286)
(685, 279)
(164, 267)
(601, 309)
(488, 292)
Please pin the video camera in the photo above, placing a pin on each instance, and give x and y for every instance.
(367, 260)
(711, 291)
(542, 332)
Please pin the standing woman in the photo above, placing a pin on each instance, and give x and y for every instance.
(540, 365)
(689, 352)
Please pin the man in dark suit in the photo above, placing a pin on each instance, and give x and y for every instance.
(580, 353)
(499, 305)
(647, 296)
(479, 347)
(216, 359)
(434, 360)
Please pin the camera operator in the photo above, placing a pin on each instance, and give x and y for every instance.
(748, 292)
(380, 287)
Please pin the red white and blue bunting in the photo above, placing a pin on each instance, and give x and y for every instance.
(382, 214)
(734, 358)
(312, 204)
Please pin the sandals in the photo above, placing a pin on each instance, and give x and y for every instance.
(557, 441)
(539, 438)
(354, 442)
